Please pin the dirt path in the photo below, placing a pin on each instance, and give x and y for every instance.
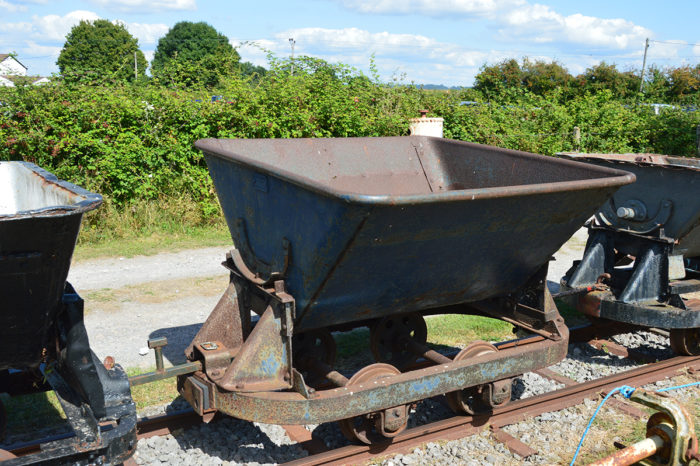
(128, 300)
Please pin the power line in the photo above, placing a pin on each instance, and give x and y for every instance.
(674, 42)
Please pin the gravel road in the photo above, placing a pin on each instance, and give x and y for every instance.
(129, 300)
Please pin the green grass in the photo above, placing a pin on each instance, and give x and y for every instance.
(629, 431)
(151, 227)
(154, 243)
(29, 413)
(154, 393)
(460, 330)
(571, 316)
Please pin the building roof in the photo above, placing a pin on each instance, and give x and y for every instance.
(4, 56)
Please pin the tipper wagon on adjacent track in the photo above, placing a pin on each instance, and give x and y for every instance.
(43, 342)
(643, 250)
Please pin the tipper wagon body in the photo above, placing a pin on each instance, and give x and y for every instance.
(333, 234)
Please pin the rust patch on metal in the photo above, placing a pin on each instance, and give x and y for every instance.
(589, 303)
(108, 363)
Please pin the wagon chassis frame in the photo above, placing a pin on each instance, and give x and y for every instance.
(247, 370)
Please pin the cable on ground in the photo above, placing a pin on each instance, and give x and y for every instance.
(626, 391)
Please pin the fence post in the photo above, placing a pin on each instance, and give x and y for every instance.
(577, 137)
(697, 140)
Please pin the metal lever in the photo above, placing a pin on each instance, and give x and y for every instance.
(157, 345)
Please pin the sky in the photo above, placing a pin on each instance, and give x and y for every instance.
(420, 41)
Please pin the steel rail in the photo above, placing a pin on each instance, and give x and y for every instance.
(462, 426)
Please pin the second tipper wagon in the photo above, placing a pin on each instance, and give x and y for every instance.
(334, 234)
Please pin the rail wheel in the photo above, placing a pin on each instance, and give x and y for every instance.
(480, 398)
(389, 338)
(315, 344)
(380, 426)
(685, 341)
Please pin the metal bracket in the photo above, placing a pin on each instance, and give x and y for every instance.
(79, 414)
(265, 273)
(265, 360)
(216, 357)
(200, 394)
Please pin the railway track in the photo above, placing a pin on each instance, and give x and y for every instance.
(461, 426)
(455, 427)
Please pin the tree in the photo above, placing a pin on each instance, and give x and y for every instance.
(194, 54)
(100, 49)
(683, 82)
(623, 84)
(256, 72)
(538, 77)
(492, 81)
(542, 78)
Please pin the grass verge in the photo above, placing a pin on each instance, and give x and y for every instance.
(31, 413)
(145, 228)
(154, 243)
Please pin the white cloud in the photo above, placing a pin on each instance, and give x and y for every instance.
(542, 24)
(662, 50)
(16, 28)
(32, 48)
(413, 46)
(54, 27)
(147, 33)
(431, 7)
(520, 19)
(356, 38)
(142, 6)
(418, 57)
(256, 51)
(11, 7)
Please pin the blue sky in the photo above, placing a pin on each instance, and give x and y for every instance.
(422, 41)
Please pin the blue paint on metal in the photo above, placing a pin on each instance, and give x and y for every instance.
(492, 371)
(424, 385)
(270, 365)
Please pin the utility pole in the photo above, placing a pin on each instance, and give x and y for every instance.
(644, 64)
(292, 42)
(136, 67)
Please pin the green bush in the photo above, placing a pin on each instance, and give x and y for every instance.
(133, 143)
